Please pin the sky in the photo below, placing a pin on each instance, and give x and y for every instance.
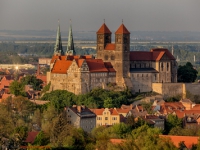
(89, 15)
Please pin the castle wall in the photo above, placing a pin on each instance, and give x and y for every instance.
(168, 89)
(193, 88)
(141, 82)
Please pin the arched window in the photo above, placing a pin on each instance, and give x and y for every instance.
(167, 66)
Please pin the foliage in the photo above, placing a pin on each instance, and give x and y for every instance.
(97, 98)
(144, 138)
(184, 131)
(187, 73)
(173, 99)
(41, 139)
(171, 122)
(17, 88)
(46, 88)
(31, 80)
(147, 107)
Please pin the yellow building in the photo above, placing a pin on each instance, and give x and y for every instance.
(107, 117)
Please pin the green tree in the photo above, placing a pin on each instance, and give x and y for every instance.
(187, 73)
(17, 88)
(32, 80)
(171, 122)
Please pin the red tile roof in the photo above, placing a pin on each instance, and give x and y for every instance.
(188, 140)
(117, 141)
(138, 55)
(196, 107)
(42, 77)
(122, 30)
(79, 62)
(181, 114)
(110, 46)
(104, 29)
(165, 50)
(31, 137)
(61, 66)
(154, 54)
(100, 111)
(96, 65)
(109, 67)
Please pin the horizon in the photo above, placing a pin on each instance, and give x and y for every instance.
(89, 15)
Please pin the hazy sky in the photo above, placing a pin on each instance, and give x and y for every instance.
(88, 15)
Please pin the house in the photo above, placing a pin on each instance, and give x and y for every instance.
(155, 121)
(108, 117)
(81, 117)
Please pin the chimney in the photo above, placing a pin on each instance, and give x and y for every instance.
(79, 109)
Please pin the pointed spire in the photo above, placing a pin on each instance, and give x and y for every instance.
(122, 29)
(58, 50)
(70, 45)
(103, 29)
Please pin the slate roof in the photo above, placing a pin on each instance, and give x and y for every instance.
(143, 70)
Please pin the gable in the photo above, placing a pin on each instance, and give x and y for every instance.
(165, 57)
(73, 67)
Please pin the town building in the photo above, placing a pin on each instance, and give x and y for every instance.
(81, 117)
(108, 117)
(115, 63)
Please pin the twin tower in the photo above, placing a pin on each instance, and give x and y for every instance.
(117, 53)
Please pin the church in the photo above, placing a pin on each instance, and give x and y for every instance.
(115, 64)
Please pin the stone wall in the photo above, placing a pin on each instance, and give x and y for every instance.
(174, 89)
(168, 89)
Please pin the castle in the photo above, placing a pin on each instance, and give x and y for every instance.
(115, 63)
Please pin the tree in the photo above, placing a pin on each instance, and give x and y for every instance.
(17, 88)
(32, 80)
(187, 73)
(172, 121)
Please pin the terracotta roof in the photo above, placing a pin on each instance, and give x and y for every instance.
(79, 62)
(96, 65)
(122, 30)
(61, 66)
(196, 107)
(110, 46)
(181, 114)
(117, 141)
(87, 56)
(157, 55)
(100, 111)
(39, 102)
(154, 54)
(138, 55)
(4, 96)
(188, 140)
(42, 77)
(104, 29)
(165, 50)
(31, 137)
(109, 66)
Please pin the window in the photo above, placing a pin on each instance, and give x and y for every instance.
(106, 118)
(167, 66)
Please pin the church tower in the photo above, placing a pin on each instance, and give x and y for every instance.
(70, 44)
(122, 53)
(58, 49)
(103, 38)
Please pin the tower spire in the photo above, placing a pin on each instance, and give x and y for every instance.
(58, 49)
(70, 45)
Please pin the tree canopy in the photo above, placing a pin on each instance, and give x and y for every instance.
(187, 73)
